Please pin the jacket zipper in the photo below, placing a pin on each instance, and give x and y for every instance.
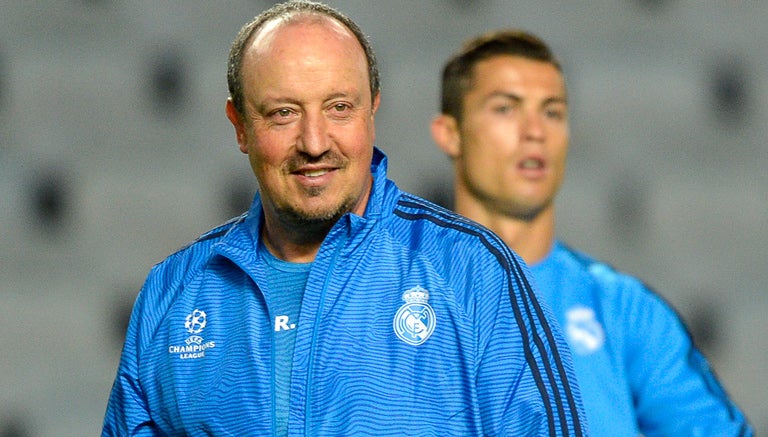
(308, 401)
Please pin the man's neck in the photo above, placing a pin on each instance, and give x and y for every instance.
(291, 245)
(531, 239)
(290, 251)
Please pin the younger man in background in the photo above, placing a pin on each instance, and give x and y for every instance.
(504, 124)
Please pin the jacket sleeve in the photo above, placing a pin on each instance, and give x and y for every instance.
(675, 390)
(521, 348)
(128, 412)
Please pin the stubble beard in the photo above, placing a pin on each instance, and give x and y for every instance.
(312, 226)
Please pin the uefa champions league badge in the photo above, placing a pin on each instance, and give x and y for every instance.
(415, 321)
(195, 345)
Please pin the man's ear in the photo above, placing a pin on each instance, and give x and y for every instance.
(237, 121)
(445, 133)
(375, 103)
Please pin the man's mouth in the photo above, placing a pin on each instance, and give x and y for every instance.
(532, 163)
(313, 173)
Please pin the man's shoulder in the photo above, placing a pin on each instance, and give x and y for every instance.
(432, 222)
(607, 282)
(195, 252)
(215, 234)
(602, 271)
(168, 278)
(457, 248)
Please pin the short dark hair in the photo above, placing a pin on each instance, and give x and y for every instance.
(287, 11)
(458, 70)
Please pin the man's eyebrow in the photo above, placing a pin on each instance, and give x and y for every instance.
(516, 97)
(268, 102)
(337, 95)
(503, 94)
(556, 101)
(277, 100)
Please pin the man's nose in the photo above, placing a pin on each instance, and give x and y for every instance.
(313, 138)
(533, 127)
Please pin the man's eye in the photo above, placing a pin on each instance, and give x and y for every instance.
(555, 115)
(340, 107)
(281, 116)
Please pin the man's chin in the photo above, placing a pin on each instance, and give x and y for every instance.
(313, 217)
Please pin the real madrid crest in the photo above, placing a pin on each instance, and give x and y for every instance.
(584, 331)
(415, 321)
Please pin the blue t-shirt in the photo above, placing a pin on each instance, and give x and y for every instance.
(637, 367)
(285, 282)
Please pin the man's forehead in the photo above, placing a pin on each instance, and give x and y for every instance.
(278, 27)
(516, 70)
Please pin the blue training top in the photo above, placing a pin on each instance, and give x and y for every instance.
(638, 370)
(414, 321)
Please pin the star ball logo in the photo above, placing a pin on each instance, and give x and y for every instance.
(195, 321)
(196, 345)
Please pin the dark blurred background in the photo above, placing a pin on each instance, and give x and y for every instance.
(115, 151)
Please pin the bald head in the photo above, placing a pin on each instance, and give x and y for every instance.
(302, 52)
(285, 13)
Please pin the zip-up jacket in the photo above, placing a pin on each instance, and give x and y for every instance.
(638, 369)
(414, 321)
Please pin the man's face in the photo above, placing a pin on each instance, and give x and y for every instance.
(308, 126)
(514, 135)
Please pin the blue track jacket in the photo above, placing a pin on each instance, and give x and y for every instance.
(414, 321)
(638, 370)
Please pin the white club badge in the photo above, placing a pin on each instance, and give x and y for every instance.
(415, 321)
(585, 333)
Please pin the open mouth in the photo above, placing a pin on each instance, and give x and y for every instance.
(532, 164)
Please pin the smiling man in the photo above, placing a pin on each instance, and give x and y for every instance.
(306, 121)
(338, 304)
